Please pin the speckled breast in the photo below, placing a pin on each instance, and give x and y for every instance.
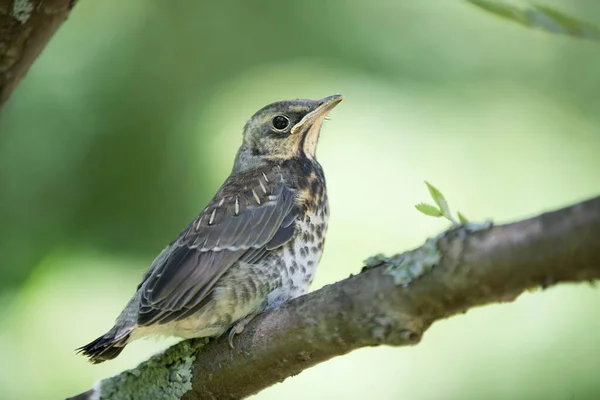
(303, 253)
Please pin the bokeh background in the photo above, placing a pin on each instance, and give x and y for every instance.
(129, 121)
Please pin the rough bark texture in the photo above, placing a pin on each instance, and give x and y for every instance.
(392, 302)
(26, 26)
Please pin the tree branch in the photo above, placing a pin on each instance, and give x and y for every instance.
(26, 26)
(392, 302)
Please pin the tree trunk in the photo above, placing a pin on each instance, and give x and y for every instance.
(26, 26)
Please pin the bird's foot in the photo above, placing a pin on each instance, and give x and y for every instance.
(239, 328)
(241, 324)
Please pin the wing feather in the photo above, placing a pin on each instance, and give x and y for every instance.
(241, 222)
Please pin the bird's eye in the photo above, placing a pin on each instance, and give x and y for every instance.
(281, 122)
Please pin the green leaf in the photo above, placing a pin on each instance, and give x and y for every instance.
(557, 22)
(461, 218)
(540, 17)
(501, 9)
(429, 209)
(439, 199)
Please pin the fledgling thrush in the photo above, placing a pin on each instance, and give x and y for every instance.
(256, 245)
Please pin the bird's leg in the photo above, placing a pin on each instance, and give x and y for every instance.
(241, 324)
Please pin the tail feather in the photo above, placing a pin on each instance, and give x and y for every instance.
(104, 348)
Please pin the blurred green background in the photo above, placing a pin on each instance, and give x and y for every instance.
(129, 121)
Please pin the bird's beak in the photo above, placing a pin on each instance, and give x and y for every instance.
(327, 104)
(311, 123)
(318, 114)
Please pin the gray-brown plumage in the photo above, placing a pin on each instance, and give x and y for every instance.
(256, 245)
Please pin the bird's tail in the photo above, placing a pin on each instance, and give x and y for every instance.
(106, 347)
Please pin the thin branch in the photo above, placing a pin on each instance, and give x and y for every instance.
(392, 302)
(26, 26)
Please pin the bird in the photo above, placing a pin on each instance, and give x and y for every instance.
(255, 245)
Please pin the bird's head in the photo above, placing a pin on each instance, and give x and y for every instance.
(283, 130)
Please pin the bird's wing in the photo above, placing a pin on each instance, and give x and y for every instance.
(251, 214)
